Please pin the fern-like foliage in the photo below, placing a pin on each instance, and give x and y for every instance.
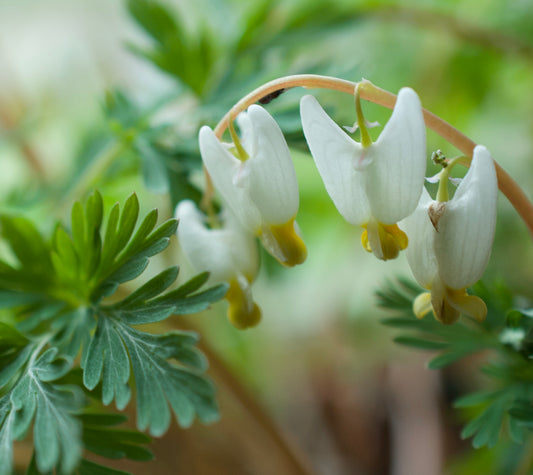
(506, 334)
(57, 312)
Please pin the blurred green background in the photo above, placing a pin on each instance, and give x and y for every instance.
(116, 92)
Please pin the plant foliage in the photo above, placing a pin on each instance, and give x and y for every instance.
(57, 312)
(505, 335)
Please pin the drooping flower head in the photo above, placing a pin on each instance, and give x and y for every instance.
(230, 255)
(373, 185)
(451, 243)
(256, 178)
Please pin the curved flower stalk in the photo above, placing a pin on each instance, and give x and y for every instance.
(451, 243)
(258, 181)
(374, 185)
(228, 253)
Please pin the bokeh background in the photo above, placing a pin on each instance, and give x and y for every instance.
(320, 374)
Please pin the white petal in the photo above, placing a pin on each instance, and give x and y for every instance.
(435, 178)
(395, 177)
(273, 182)
(247, 136)
(226, 252)
(466, 228)
(229, 178)
(335, 155)
(420, 251)
(242, 245)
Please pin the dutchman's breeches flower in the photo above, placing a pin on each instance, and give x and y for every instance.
(450, 243)
(228, 253)
(374, 185)
(258, 181)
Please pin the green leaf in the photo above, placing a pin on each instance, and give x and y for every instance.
(15, 350)
(153, 166)
(398, 296)
(33, 273)
(73, 330)
(190, 58)
(12, 298)
(107, 358)
(10, 339)
(101, 439)
(158, 382)
(517, 431)
(25, 241)
(7, 418)
(522, 411)
(486, 427)
(475, 399)
(449, 357)
(114, 344)
(152, 288)
(400, 322)
(421, 343)
(126, 264)
(154, 18)
(87, 467)
(56, 432)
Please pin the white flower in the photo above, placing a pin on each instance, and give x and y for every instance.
(228, 253)
(374, 186)
(261, 189)
(450, 243)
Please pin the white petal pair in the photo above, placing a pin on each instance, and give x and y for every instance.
(228, 253)
(450, 242)
(262, 190)
(374, 186)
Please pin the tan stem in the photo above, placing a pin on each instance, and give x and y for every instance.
(309, 81)
(298, 464)
(8, 121)
(369, 92)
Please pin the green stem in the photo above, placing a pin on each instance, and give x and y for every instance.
(366, 141)
(242, 155)
(442, 192)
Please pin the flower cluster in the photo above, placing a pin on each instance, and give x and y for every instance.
(377, 185)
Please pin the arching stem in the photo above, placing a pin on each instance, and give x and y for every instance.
(371, 93)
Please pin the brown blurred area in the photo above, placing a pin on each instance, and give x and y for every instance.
(392, 419)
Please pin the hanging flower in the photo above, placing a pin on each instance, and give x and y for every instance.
(256, 177)
(451, 243)
(229, 254)
(374, 185)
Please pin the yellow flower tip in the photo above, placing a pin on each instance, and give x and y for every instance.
(469, 305)
(448, 304)
(422, 305)
(241, 318)
(384, 240)
(364, 240)
(284, 243)
(444, 312)
(243, 312)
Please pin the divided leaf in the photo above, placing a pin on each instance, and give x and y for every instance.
(116, 347)
(101, 438)
(51, 408)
